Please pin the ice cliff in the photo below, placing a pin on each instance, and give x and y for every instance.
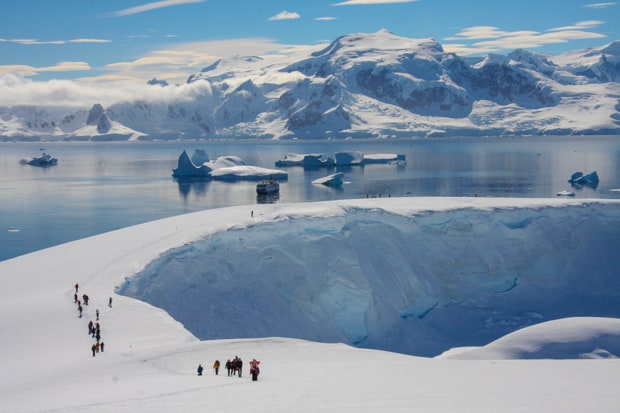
(417, 283)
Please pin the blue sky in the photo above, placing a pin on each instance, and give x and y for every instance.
(171, 39)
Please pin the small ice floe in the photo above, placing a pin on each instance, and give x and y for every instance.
(41, 160)
(11, 229)
(330, 180)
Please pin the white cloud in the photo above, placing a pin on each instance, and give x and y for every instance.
(29, 42)
(601, 5)
(16, 90)
(586, 24)
(326, 18)
(362, 2)
(492, 39)
(26, 70)
(177, 63)
(90, 41)
(36, 41)
(478, 32)
(285, 15)
(152, 6)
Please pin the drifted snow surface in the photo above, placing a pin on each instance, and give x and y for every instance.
(150, 359)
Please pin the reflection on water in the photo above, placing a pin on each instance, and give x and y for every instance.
(98, 187)
(267, 198)
(197, 186)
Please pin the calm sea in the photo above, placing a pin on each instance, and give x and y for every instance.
(98, 187)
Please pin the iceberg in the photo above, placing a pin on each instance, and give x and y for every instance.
(187, 168)
(349, 158)
(291, 159)
(330, 180)
(353, 158)
(308, 161)
(41, 160)
(248, 173)
(578, 179)
(226, 168)
(399, 159)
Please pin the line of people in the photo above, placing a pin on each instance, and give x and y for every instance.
(234, 367)
(94, 329)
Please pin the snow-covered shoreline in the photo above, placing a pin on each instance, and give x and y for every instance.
(150, 358)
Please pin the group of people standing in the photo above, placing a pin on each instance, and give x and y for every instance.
(234, 367)
(94, 329)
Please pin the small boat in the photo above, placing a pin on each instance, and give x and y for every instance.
(267, 186)
(42, 160)
(565, 193)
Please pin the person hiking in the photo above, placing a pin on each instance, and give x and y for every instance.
(216, 366)
(254, 370)
(200, 369)
(93, 348)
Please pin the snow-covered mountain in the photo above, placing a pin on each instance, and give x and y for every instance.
(361, 85)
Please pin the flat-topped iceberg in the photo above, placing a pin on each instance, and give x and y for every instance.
(248, 173)
(354, 158)
(385, 158)
(308, 160)
(227, 168)
(349, 158)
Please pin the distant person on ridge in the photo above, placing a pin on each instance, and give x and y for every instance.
(200, 369)
(254, 370)
(216, 366)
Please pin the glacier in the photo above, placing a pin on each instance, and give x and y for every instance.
(392, 274)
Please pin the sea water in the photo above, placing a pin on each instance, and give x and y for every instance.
(101, 186)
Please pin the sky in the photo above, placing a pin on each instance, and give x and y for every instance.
(149, 363)
(98, 41)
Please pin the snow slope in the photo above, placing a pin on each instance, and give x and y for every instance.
(150, 359)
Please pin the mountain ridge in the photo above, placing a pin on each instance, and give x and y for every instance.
(375, 85)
